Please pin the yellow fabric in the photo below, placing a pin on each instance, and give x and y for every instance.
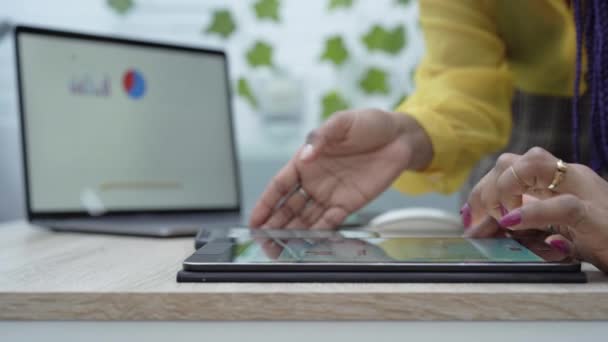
(476, 53)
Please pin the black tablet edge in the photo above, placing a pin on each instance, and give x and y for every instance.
(382, 277)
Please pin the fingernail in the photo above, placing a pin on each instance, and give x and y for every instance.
(560, 245)
(511, 219)
(306, 152)
(465, 215)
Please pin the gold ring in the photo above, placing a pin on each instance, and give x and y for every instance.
(518, 179)
(559, 175)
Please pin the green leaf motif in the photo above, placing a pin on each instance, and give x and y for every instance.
(267, 10)
(260, 55)
(222, 24)
(332, 102)
(403, 2)
(335, 51)
(243, 90)
(335, 4)
(381, 39)
(374, 82)
(121, 6)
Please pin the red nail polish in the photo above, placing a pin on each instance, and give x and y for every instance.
(465, 215)
(560, 245)
(511, 219)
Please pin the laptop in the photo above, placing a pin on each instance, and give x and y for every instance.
(125, 137)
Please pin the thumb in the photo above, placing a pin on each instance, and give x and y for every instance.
(331, 132)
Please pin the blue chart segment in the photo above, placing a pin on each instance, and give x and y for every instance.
(134, 84)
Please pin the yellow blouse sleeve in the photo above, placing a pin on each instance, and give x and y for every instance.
(463, 93)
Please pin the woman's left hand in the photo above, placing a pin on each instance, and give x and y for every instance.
(575, 212)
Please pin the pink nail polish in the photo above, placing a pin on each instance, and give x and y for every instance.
(465, 215)
(511, 219)
(560, 245)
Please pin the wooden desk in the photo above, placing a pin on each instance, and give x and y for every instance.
(60, 276)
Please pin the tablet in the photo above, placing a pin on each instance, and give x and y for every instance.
(305, 255)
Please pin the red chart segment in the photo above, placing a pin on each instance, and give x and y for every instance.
(134, 83)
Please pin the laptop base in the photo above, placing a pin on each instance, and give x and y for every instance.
(161, 226)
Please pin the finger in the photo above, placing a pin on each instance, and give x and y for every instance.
(310, 214)
(271, 249)
(533, 173)
(474, 211)
(488, 227)
(558, 229)
(515, 181)
(288, 209)
(332, 131)
(563, 245)
(280, 186)
(511, 188)
(563, 210)
(296, 223)
(331, 218)
(489, 195)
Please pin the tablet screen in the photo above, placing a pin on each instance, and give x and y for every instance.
(266, 246)
(115, 126)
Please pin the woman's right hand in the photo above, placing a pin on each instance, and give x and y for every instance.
(572, 213)
(348, 161)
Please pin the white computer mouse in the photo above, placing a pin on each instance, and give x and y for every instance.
(417, 221)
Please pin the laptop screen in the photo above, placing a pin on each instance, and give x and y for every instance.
(114, 125)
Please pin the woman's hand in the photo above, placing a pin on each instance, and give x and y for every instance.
(347, 162)
(575, 212)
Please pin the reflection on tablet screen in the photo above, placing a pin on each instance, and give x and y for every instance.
(339, 247)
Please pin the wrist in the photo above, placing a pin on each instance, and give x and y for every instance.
(416, 140)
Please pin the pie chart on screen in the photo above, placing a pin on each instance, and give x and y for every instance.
(134, 84)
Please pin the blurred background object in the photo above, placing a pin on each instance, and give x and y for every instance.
(292, 64)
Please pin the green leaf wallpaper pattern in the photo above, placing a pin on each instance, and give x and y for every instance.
(260, 55)
(335, 4)
(374, 81)
(332, 102)
(381, 37)
(121, 6)
(222, 24)
(386, 40)
(335, 51)
(244, 91)
(403, 2)
(267, 10)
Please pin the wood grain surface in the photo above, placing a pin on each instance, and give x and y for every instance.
(63, 276)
